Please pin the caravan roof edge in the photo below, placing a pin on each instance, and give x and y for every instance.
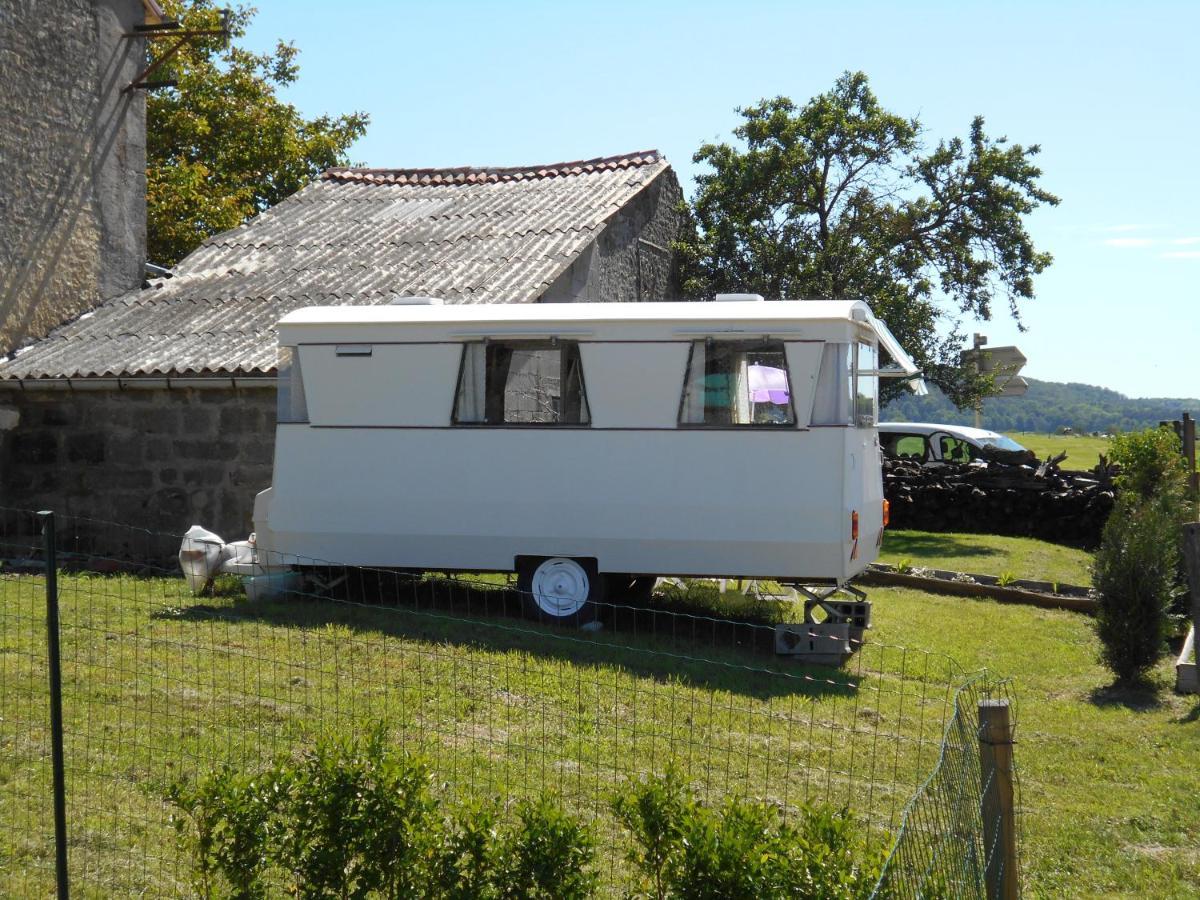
(503, 313)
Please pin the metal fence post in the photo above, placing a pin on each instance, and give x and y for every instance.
(1001, 876)
(56, 719)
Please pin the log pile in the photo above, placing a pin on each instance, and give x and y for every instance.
(1012, 496)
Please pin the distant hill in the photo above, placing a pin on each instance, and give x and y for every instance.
(1047, 407)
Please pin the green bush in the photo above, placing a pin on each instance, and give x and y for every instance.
(1137, 567)
(1151, 462)
(685, 849)
(227, 813)
(547, 856)
(355, 819)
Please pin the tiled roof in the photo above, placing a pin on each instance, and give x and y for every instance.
(469, 175)
(355, 236)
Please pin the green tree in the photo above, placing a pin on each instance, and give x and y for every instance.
(837, 199)
(220, 145)
(1137, 568)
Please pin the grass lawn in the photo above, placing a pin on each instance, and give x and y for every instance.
(987, 554)
(160, 685)
(1083, 452)
(1109, 779)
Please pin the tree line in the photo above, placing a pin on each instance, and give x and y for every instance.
(1047, 407)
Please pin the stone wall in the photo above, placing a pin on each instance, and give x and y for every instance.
(158, 459)
(72, 158)
(632, 260)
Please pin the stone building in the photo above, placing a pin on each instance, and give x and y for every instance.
(72, 160)
(158, 407)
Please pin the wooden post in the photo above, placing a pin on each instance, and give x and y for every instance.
(979, 341)
(1189, 453)
(1186, 680)
(1001, 876)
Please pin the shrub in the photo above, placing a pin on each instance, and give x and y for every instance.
(1135, 573)
(547, 856)
(467, 863)
(1137, 567)
(1151, 462)
(228, 813)
(684, 849)
(355, 819)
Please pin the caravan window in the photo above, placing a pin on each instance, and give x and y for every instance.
(848, 386)
(290, 404)
(521, 383)
(737, 383)
(866, 390)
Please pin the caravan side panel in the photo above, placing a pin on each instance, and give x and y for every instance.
(397, 384)
(667, 502)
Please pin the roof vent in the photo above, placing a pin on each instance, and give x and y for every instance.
(744, 298)
(416, 301)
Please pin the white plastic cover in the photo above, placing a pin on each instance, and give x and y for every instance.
(200, 555)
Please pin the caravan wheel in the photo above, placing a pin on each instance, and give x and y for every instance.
(560, 589)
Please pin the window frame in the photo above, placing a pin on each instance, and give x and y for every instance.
(562, 345)
(857, 374)
(736, 426)
(289, 387)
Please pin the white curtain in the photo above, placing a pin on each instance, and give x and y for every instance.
(832, 404)
(693, 396)
(740, 387)
(472, 386)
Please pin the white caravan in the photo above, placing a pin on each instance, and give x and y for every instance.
(580, 444)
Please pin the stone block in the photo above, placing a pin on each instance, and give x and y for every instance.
(239, 419)
(127, 451)
(48, 481)
(168, 476)
(253, 478)
(257, 453)
(58, 415)
(87, 447)
(159, 419)
(198, 421)
(205, 450)
(168, 507)
(202, 476)
(127, 480)
(35, 447)
(159, 450)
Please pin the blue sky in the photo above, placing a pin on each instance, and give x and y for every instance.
(1109, 91)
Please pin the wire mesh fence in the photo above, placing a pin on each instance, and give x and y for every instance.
(952, 839)
(162, 687)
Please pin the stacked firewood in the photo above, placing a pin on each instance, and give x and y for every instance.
(1001, 496)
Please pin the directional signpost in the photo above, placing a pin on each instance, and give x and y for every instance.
(1003, 364)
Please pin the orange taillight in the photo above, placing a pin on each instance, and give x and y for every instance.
(887, 513)
(854, 525)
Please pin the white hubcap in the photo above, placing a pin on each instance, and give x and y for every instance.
(560, 587)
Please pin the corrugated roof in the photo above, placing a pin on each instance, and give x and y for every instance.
(354, 237)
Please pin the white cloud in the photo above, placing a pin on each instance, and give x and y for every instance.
(1180, 254)
(1187, 240)
(1128, 242)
